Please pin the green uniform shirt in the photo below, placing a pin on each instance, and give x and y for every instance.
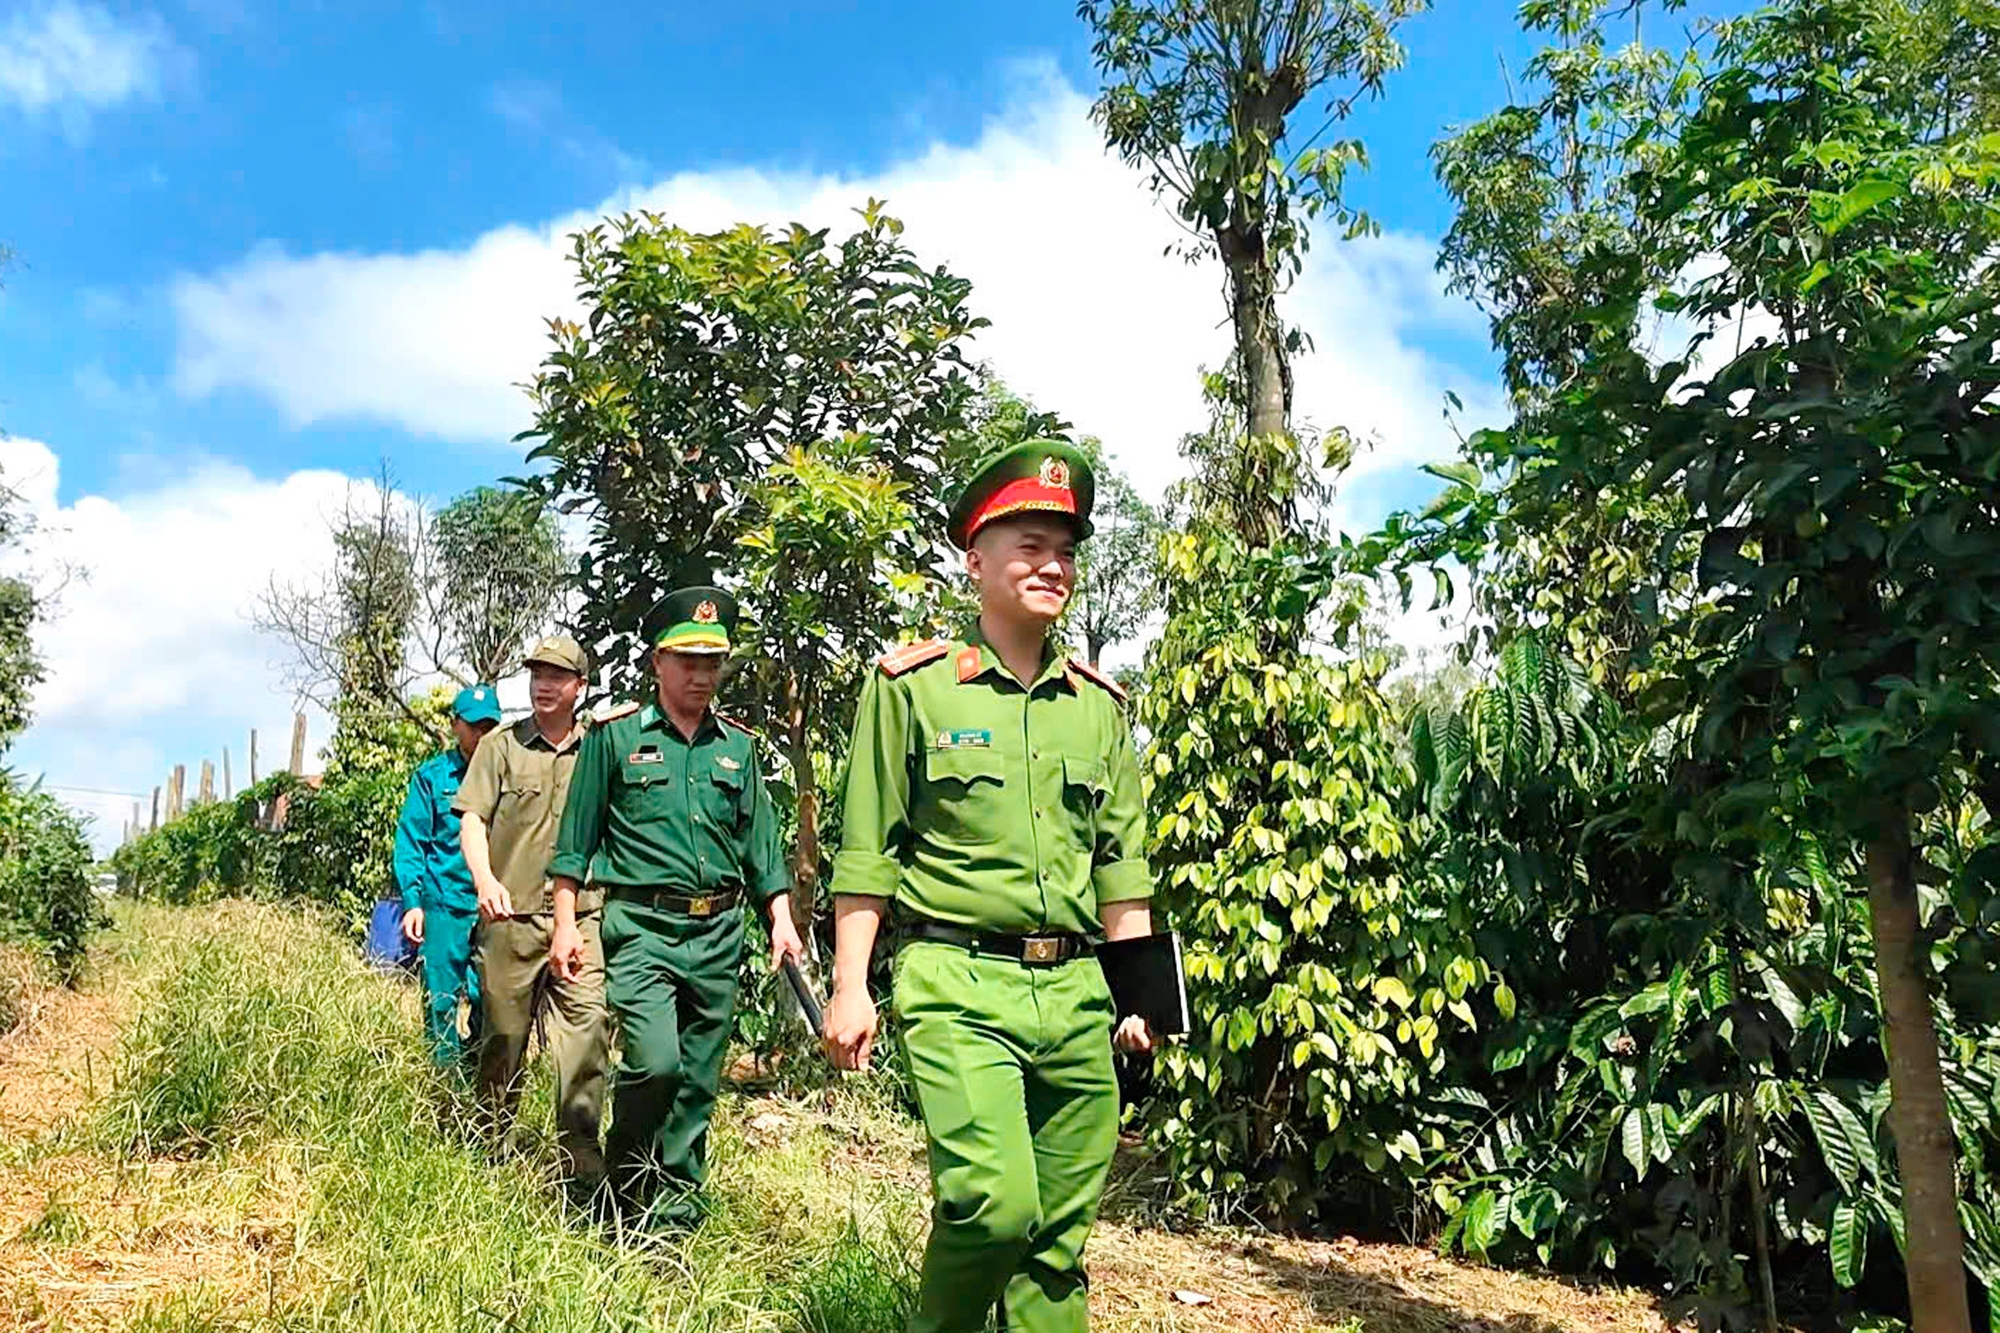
(518, 784)
(974, 801)
(651, 809)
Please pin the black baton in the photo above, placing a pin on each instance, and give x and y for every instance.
(805, 996)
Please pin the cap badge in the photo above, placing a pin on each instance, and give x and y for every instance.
(1055, 473)
(704, 614)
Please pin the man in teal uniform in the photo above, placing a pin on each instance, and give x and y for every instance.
(440, 906)
(668, 815)
(993, 800)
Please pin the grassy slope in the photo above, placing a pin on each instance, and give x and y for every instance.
(275, 1152)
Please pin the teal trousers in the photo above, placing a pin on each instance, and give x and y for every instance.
(670, 980)
(449, 974)
(1013, 1073)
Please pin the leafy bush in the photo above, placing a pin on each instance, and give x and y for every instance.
(46, 897)
(1326, 966)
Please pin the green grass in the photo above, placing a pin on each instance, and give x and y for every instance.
(258, 1029)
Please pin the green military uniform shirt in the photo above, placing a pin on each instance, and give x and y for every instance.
(980, 803)
(650, 809)
(518, 785)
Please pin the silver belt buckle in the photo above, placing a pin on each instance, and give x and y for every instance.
(1036, 949)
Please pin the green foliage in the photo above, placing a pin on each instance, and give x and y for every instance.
(1778, 560)
(707, 360)
(1325, 976)
(46, 897)
(1118, 569)
(501, 575)
(21, 667)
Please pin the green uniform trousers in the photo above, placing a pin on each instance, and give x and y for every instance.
(514, 971)
(671, 980)
(446, 954)
(1013, 1072)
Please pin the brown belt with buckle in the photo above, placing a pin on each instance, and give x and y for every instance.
(687, 904)
(1039, 950)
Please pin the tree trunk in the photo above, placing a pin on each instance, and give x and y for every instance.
(805, 854)
(1934, 1250)
(1260, 348)
(1093, 648)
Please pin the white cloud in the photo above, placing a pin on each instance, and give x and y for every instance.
(151, 656)
(1064, 247)
(73, 58)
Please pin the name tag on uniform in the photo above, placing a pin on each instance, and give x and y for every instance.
(648, 754)
(980, 739)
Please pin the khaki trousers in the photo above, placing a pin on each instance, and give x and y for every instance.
(515, 982)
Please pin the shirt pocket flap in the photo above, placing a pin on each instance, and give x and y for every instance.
(1086, 773)
(723, 776)
(968, 765)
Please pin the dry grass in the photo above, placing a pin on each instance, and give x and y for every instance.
(89, 1244)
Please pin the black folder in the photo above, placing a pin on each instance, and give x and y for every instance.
(1145, 977)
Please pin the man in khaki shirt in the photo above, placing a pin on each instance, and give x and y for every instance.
(511, 803)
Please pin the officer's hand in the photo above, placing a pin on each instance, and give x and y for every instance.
(1133, 1035)
(785, 941)
(494, 900)
(850, 1028)
(566, 951)
(413, 925)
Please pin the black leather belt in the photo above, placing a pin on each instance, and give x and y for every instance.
(672, 900)
(1036, 950)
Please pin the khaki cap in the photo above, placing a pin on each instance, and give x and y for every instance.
(559, 650)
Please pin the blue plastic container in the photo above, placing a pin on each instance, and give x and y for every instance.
(385, 948)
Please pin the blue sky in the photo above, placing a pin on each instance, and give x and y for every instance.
(263, 247)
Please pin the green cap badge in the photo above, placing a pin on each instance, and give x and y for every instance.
(696, 620)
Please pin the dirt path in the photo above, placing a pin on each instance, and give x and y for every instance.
(88, 1241)
(59, 1056)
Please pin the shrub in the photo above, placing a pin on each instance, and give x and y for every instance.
(46, 900)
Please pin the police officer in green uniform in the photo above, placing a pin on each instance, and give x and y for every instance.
(440, 906)
(668, 814)
(992, 804)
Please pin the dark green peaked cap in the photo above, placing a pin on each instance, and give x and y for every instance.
(696, 620)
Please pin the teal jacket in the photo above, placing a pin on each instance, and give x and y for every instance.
(430, 870)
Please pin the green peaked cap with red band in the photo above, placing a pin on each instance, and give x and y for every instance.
(1036, 477)
(696, 620)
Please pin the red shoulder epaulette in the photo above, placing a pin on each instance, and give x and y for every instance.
(912, 655)
(743, 727)
(1091, 673)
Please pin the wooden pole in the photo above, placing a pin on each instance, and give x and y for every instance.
(133, 832)
(207, 781)
(179, 788)
(228, 786)
(253, 756)
(156, 809)
(298, 744)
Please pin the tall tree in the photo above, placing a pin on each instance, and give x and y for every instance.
(502, 572)
(1830, 587)
(1203, 94)
(732, 395)
(1118, 570)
